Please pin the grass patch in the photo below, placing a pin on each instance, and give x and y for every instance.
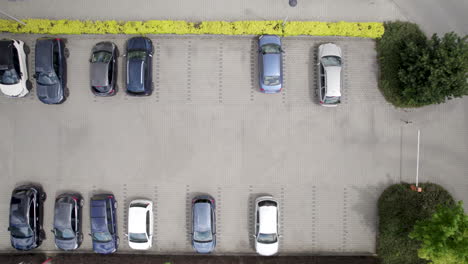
(399, 209)
(277, 27)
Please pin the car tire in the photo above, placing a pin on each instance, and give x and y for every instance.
(42, 234)
(115, 205)
(117, 242)
(66, 92)
(82, 203)
(80, 238)
(29, 85)
(66, 52)
(26, 49)
(43, 196)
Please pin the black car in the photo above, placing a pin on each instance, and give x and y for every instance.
(67, 221)
(51, 70)
(103, 70)
(26, 217)
(139, 66)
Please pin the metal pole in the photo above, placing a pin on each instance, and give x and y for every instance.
(417, 160)
(12, 17)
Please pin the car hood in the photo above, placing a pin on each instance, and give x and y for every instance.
(140, 246)
(23, 243)
(13, 89)
(205, 247)
(329, 49)
(104, 248)
(135, 81)
(67, 244)
(50, 94)
(104, 46)
(138, 43)
(99, 74)
(266, 249)
(269, 39)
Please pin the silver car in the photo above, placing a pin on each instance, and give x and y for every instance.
(329, 74)
(203, 224)
(103, 69)
(270, 64)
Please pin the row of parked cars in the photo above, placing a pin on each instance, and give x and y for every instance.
(27, 214)
(51, 68)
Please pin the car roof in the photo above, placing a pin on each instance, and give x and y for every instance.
(268, 219)
(99, 74)
(62, 217)
(44, 58)
(271, 64)
(333, 77)
(20, 209)
(137, 220)
(6, 51)
(202, 216)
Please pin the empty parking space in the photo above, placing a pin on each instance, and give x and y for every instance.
(208, 129)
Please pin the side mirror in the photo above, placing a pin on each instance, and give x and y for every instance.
(89, 234)
(126, 235)
(52, 230)
(9, 228)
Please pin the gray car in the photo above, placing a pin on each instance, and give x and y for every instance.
(103, 70)
(270, 64)
(203, 224)
(67, 221)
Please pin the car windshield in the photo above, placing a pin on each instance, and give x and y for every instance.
(65, 234)
(21, 231)
(9, 77)
(137, 237)
(267, 238)
(101, 56)
(328, 61)
(271, 49)
(204, 236)
(102, 236)
(332, 99)
(271, 80)
(47, 78)
(137, 54)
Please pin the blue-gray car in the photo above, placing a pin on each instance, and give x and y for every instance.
(203, 224)
(68, 221)
(270, 64)
(104, 223)
(139, 66)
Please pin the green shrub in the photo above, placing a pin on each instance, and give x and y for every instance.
(399, 208)
(444, 237)
(277, 27)
(415, 71)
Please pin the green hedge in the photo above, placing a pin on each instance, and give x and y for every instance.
(399, 209)
(278, 27)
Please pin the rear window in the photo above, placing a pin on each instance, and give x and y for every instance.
(267, 203)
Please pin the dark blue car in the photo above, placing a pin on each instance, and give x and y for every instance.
(51, 70)
(104, 223)
(139, 66)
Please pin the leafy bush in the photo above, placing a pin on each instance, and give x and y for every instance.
(415, 71)
(399, 209)
(277, 27)
(444, 236)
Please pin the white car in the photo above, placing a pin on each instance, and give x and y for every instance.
(140, 224)
(266, 226)
(329, 75)
(13, 68)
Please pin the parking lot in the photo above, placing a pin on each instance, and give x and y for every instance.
(208, 129)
